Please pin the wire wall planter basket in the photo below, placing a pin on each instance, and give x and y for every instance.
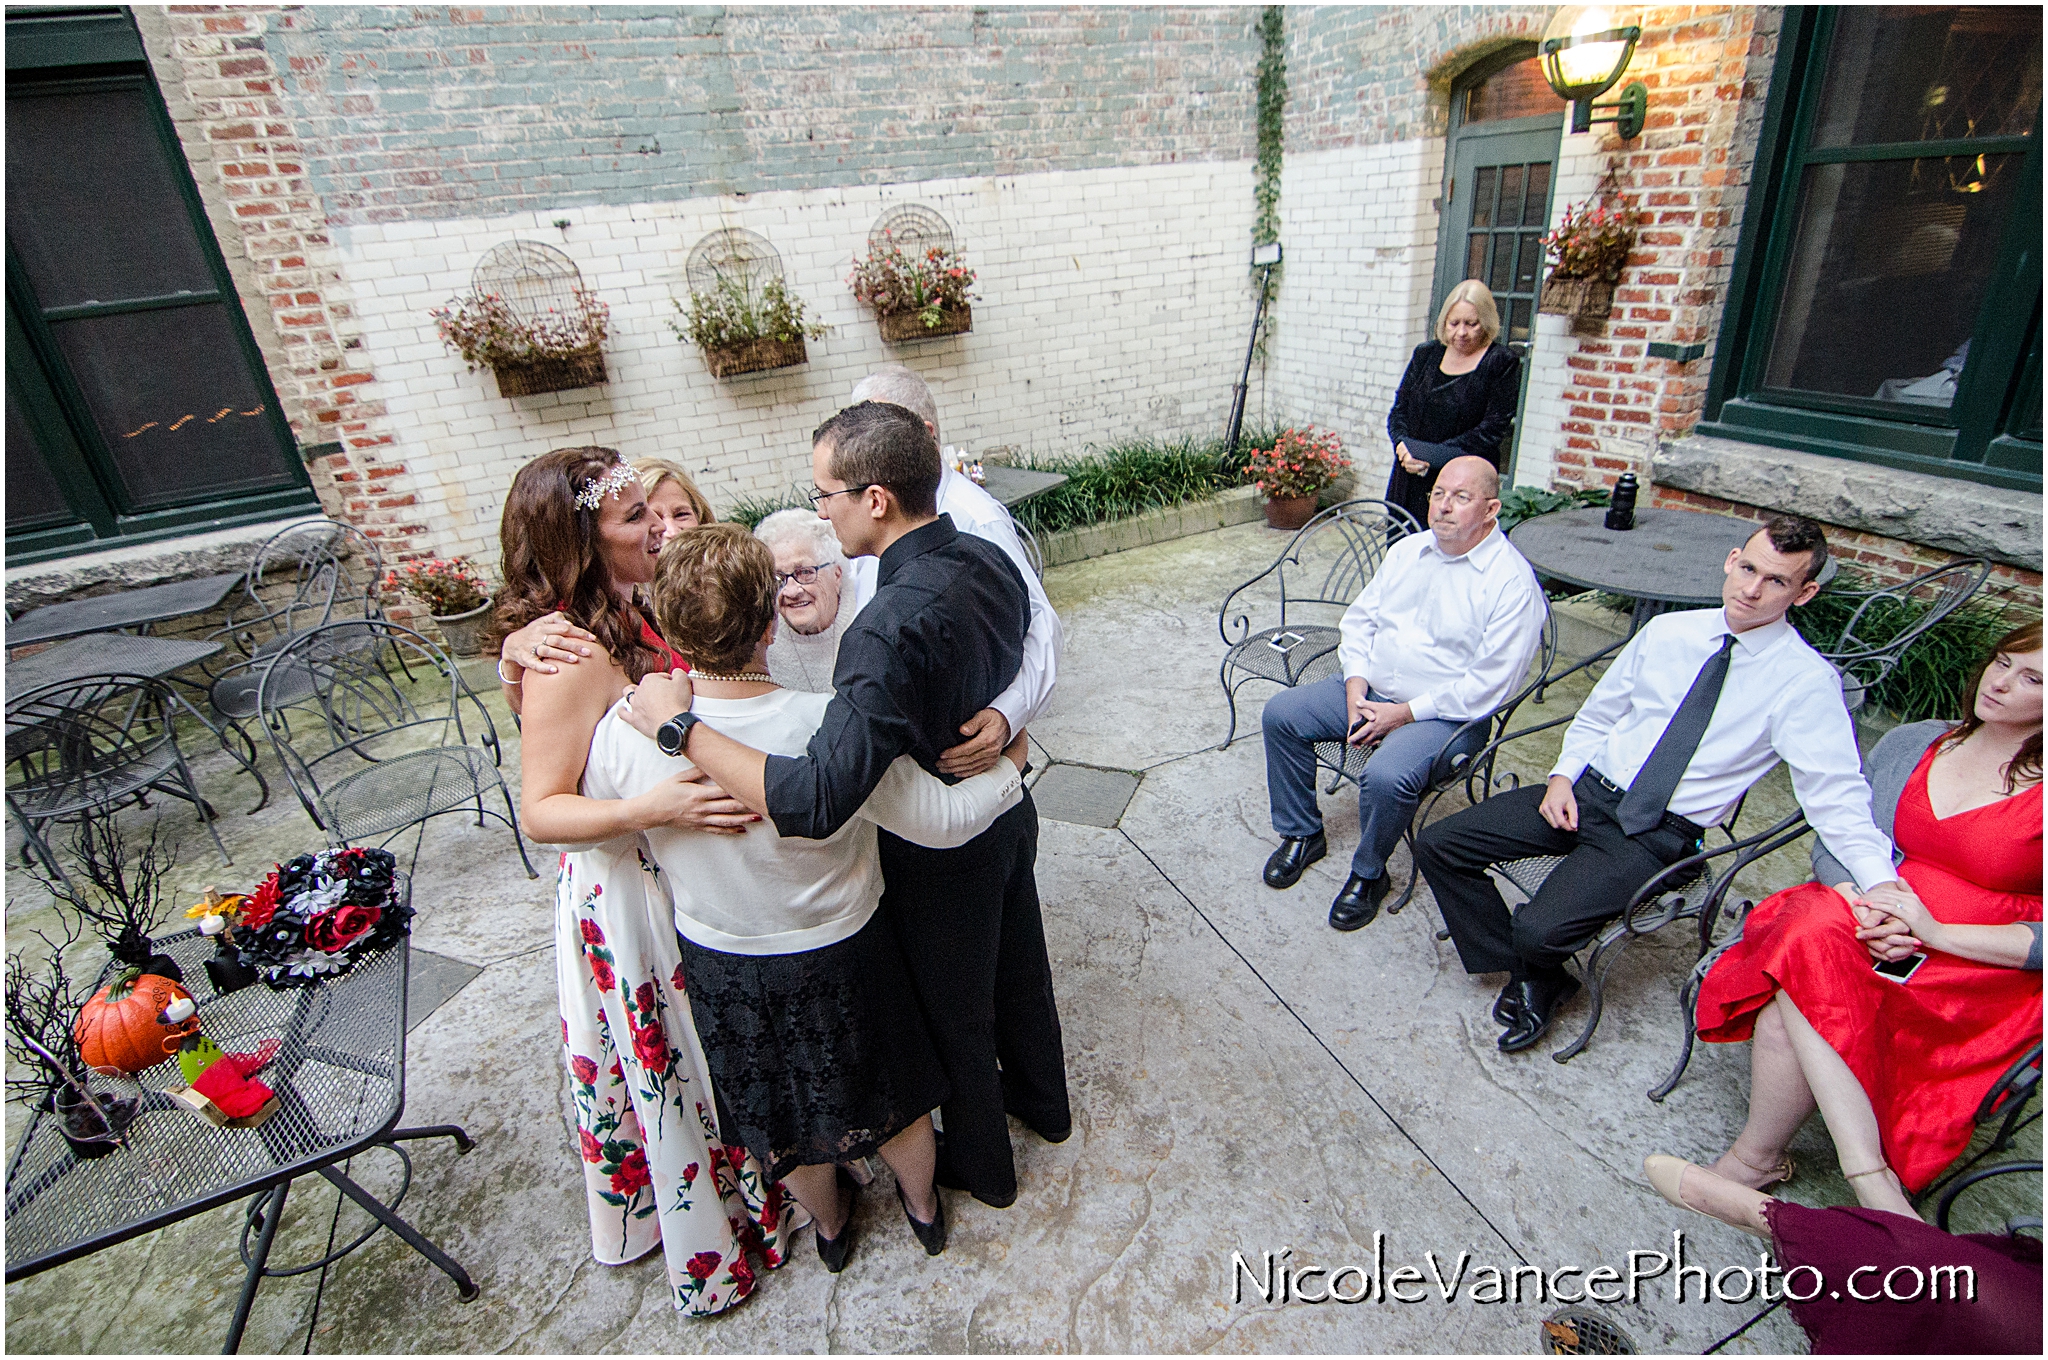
(529, 319)
(741, 315)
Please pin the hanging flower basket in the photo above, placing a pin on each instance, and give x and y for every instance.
(900, 327)
(550, 375)
(1581, 299)
(755, 356)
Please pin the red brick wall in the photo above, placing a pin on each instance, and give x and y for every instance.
(221, 87)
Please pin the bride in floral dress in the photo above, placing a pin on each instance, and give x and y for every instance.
(577, 537)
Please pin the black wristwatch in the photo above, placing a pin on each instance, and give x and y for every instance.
(673, 734)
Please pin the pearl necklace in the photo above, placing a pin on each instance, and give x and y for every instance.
(761, 676)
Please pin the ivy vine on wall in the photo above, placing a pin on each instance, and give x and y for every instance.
(1266, 169)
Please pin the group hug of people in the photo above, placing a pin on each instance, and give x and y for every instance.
(1890, 993)
(797, 911)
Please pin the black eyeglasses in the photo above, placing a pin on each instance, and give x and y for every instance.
(818, 496)
(803, 576)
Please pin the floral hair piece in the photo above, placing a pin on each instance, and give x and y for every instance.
(597, 488)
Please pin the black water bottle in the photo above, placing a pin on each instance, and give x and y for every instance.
(1621, 508)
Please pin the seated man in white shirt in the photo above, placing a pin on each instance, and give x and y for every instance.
(1698, 707)
(973, 511)
(1441, 634)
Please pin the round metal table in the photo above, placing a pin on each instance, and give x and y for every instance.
(1672, 558)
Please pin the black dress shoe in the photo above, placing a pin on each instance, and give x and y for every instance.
(1284, 866)
(834, 1251)
(1537, 1002)
(932, 1234)
(1359, 902)
(945, 1177)
(1507, 1005)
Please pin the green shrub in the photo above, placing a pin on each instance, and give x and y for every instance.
(1938, 666)
(1132, 476)
(749, 511)
(1518, 503)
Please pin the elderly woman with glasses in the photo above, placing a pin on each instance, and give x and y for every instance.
(813, 599)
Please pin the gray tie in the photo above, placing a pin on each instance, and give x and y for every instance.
(1642, 807)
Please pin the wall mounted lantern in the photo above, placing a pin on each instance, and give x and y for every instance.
(1584, 51)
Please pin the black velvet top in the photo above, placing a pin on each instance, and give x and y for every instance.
(942, 637)
(1441, 417)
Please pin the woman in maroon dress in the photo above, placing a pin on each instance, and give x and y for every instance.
(1897, 1066)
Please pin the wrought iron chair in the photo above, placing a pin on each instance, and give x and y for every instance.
(2008, 1104)
(1451, 768)
(368, 720)
(1864, 663)
(1315, 577)
(301, 578)
(1034, 553)
(96, 745)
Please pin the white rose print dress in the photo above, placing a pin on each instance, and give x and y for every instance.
(654, 1171)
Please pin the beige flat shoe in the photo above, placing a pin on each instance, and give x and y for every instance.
(1667, 1176)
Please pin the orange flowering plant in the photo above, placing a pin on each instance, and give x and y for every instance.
(447, 586)
(1300, 463)
(1592, 242)
(893, 282)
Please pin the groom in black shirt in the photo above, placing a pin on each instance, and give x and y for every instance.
(942, 637)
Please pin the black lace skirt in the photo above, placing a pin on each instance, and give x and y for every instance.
(815, 1057)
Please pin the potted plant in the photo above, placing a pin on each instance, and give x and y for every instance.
(915, 296)
(45, 1070)
(1587, 251)
(744, 329)
(552, 352)
(456, 595)
(1298, 466)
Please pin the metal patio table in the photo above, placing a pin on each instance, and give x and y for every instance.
(339, 1074)
(121, 610)
(81, 658)
(1014, 486)
(1671, 559)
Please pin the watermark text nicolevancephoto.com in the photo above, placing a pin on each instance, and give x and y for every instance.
(1274, 1277)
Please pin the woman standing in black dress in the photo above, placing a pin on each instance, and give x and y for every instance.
(1457, 397)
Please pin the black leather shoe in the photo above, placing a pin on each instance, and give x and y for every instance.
(834, 1251)
(932, 1234)
(1359, 902)
(1506, 1006)
(1537, 1002)
(1284, 866)
(946, 1178)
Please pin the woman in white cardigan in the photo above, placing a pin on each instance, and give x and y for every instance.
(818, 1052)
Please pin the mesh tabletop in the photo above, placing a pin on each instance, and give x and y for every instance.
(123, 609)
(1014, 486)
(339, 1076)
(1674, 556)
(105, 654)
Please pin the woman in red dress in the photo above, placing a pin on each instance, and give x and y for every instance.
(1897, 1067)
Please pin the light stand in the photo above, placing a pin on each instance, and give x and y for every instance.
(1264, 258)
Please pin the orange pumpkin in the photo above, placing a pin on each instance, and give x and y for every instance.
(121, 1028)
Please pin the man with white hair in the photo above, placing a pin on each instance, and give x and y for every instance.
(812, 601)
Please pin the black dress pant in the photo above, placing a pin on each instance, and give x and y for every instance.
(1603, 867)
(970, 928)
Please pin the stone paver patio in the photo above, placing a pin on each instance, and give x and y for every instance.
(1245, 1081)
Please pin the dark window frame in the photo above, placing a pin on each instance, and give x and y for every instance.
(103, 49)
(1992, 432)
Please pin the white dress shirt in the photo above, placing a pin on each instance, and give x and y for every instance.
(1448, 636)
(1781, 701)
(759, 893)
(976, 512)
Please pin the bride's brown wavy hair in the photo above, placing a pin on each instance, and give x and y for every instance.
(550, 559)
(2025, 765)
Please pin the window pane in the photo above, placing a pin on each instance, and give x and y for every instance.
(175, 403)
(1889, 268)
(1482, 196)
(1475, 255)
(1514, 320)
(1510, 196)
(93, 211)
(1519, 91)
(1908, 74)
(1532, 255)
(1533, 211)
(1503, 264)
(33, 497)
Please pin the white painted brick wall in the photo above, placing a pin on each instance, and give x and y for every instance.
(1113, 302)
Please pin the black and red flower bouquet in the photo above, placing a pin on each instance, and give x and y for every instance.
(316, 915)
